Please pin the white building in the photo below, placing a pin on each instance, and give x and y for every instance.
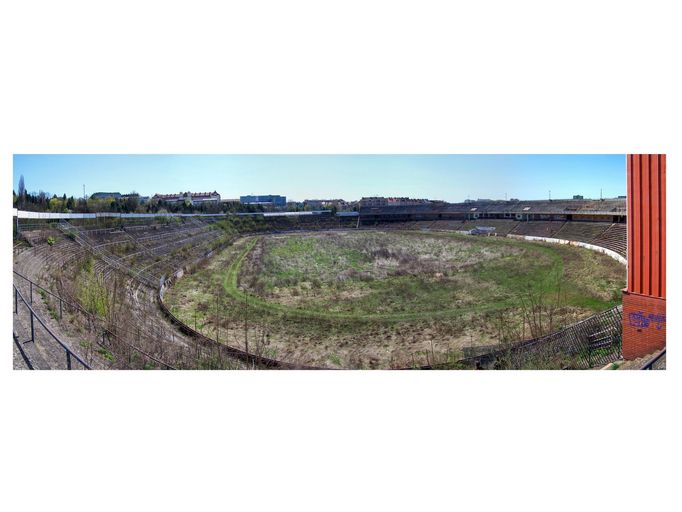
(193, 197)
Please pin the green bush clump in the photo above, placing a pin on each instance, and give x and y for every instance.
(92, 293)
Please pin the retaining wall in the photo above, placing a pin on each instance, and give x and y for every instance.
(591, 247)
(21, 214)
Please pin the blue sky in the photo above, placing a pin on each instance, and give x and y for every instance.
(447, 177)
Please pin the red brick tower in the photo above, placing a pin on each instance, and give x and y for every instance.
(644, 317)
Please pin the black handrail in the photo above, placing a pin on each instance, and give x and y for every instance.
(90, 315)
(69, 353)
(21, 351)
(649, 365)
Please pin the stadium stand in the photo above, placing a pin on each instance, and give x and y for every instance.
(138, 254)
(614, 238)
(527, 209)
(502, 227)
(540, 228)
(581, 231)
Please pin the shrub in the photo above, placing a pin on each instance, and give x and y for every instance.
(92, 292)
(51, 241)
(106, 354)
(87, 265)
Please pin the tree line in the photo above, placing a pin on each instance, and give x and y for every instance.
(45, 202)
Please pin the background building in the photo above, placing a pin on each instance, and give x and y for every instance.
(106, 195)
(274, 200)
(391, 201)
(191, 197)
(339, 204)
(141, 199)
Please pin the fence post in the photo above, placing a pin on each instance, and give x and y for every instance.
(33, 336)
(60, 308)
(31, 288)
(68, 360)
(16, 302)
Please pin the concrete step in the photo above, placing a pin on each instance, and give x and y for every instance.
(30, 356)
(19, 359)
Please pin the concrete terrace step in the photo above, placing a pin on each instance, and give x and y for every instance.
(30, 349)
(44, 350)
(19, 358)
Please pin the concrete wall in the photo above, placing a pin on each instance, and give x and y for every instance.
(21, 214)
(591, 247)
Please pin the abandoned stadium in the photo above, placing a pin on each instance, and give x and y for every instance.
(394, 287)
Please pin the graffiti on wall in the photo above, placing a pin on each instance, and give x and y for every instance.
(640, 320)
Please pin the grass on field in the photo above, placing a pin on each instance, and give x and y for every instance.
(398, 276)
(371, 299)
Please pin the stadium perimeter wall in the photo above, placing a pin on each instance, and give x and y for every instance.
(591, 247)
(21, 214)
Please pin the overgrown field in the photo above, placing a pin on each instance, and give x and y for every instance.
(368, 299)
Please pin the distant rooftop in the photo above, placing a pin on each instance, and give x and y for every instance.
(556, 206)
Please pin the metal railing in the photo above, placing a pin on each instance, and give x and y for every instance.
(109, 259)
(656, 363)
(106, 333)
(36, 286)
(70, 354)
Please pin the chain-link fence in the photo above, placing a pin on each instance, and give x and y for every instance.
(591, 343)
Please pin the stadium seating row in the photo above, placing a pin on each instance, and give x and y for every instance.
(614, 238)
(603, 234)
